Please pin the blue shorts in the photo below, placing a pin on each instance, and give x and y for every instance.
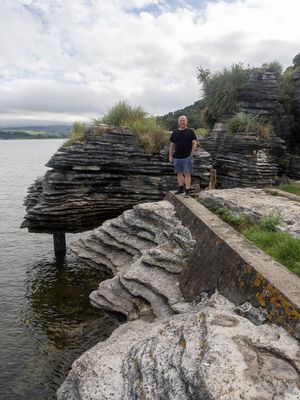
(183, 165)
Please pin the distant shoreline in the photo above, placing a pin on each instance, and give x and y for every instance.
(38, 132)
(29, 137)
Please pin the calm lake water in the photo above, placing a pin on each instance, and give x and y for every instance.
(46, 318)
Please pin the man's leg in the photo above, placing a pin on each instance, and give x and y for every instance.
(187, 180)
(180, 179)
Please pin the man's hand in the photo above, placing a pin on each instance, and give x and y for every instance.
(171, 151)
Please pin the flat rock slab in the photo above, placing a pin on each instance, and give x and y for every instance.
(256, 203)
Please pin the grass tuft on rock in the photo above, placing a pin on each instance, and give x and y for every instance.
(283, 247)
(78, 133)
(150, 134)
(248, 123)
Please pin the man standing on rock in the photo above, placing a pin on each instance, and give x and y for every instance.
(184, 141)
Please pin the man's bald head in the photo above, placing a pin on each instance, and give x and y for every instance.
(182, 122)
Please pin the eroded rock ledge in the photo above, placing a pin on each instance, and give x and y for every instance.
(100, 177)
(171, 349)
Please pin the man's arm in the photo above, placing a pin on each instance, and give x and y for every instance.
(194, 146)
(171, 151)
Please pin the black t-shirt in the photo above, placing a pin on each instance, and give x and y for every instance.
(182, 138)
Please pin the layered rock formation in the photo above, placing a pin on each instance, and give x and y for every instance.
(256, 203)
(145, 249)
(296, 92)
(98, 178)
(171, 349)
(260, 97)
(243, 160)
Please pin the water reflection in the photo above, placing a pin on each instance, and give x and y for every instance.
(62, 323)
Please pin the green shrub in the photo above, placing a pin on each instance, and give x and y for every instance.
(78, 133)
(243, 122)
(270, 221)
(151, 135)
(285, 88)
(221, 89)
(265, 131)
(122, 113)
(296, 60)
(273, 66)
(202, 131)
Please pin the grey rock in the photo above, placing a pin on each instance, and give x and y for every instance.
(244, 160)
(256, 203)
(145, 249)
(97, 179)
(257, 315)
(210, 353)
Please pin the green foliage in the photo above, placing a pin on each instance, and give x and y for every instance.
(202, 131)
(243, 122)
(280, 245)
(194, 114)
(273, 66)
(285, 88)
(123, 112)
(291, 188)
(269, 222)
(265, 130)
(221, 89)
(78, 133)
(296, 60)
(239, 221)
(151, 134)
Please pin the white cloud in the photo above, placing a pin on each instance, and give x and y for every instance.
(71, 59)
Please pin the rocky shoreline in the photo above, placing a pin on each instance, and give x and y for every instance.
(170, 348)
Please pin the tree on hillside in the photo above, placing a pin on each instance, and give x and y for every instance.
(296, 60)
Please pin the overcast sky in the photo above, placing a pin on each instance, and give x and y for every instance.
(66, 60)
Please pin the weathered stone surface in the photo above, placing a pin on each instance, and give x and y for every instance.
(145, 249)
(224, 259)
(243, 160)
(207, 353)
(98, 179)
(256, 203)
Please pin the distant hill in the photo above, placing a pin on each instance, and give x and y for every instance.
(192, 112)
(36, 132)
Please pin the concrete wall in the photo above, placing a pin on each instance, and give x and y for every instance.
(224, 260)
